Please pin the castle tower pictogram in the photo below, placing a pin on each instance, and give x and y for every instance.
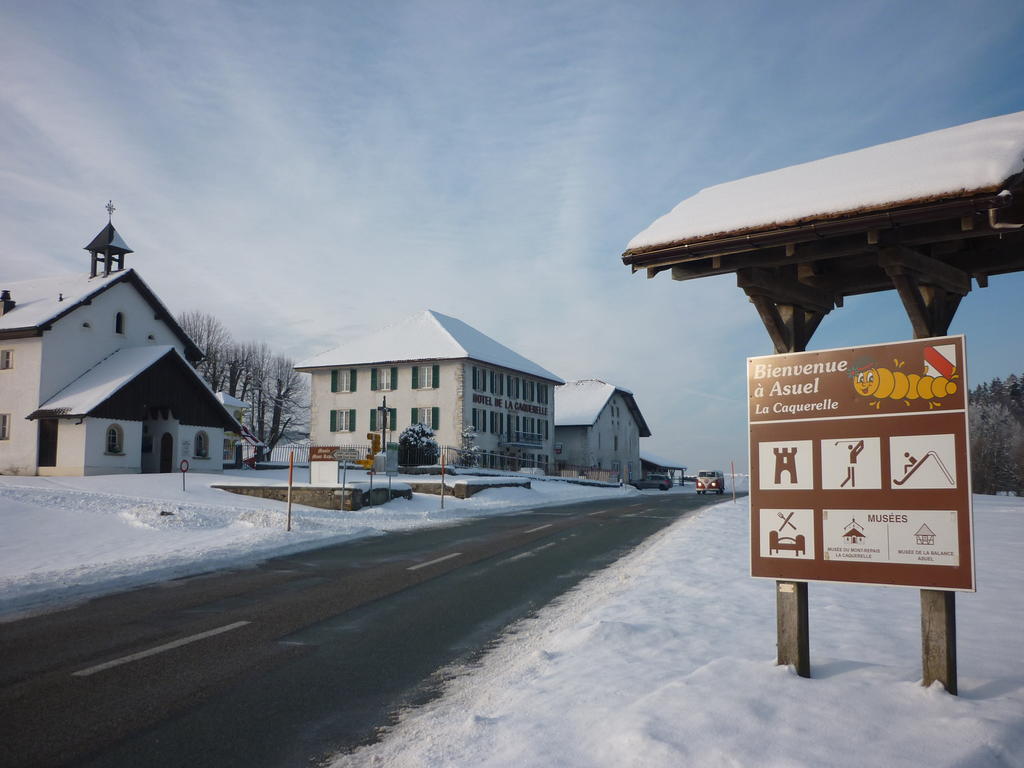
(785, 461)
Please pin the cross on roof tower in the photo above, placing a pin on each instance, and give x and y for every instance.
(107, 248)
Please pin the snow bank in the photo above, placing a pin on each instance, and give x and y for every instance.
(70, 538)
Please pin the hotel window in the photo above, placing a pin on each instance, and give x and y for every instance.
(426, 376)
(5, 426)
(115, 439)
(6, 359)
(119, 323)
(202, 445)
(392, 419)
(343, 420)
(542, 394)
(343, 380)
(383, 379)
(430, 417)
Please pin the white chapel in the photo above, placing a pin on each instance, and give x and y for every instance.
(96, 376)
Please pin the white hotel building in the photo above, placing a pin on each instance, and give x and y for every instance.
(436, 370)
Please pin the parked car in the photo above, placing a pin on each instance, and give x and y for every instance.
(661, 482)
(710, 481)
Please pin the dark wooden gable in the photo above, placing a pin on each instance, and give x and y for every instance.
(171, 385)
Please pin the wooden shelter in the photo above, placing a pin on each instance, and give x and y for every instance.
(924, 216)
(801, 239)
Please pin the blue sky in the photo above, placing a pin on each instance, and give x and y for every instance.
(307, 170)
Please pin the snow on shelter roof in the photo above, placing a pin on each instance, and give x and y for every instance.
(426, 335)
(973, 158)
(579, 403)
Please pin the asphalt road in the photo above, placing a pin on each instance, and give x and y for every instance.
(302, 656)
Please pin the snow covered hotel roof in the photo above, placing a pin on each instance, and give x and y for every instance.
(579, 403)
(426, 335)
(949, 186)
(39, 303)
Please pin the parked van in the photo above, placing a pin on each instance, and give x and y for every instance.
(710, 481)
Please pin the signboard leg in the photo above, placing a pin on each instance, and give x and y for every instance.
(938, 638)
(793, 627)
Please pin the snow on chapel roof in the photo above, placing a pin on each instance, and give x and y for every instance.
(974, 158)
(426, 335)
(40, 302)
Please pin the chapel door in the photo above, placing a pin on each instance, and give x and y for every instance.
(166, 453)
(48, 442)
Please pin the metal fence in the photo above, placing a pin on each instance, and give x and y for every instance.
(457, 458)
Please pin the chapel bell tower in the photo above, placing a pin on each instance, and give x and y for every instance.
(107, 248)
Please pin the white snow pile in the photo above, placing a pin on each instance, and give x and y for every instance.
(974, 157)
(666, 659)
(70, 538)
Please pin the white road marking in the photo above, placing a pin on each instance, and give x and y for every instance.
(433, 562)
(599, 512)
(158, 649)
(538, 528)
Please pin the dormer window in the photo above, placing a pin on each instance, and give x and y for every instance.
(119, 323)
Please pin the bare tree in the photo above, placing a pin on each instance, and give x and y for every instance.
(210, 335)
(277, 394)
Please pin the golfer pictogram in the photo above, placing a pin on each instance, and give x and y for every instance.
(854, 449)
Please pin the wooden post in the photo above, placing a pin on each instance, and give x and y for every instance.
(938, 638)
(794, 646)
(291, 472)
(938, 607)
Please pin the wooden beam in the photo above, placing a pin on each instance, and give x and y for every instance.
(784, 290)
(901, 260)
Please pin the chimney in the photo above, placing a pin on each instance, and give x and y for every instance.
(6, 302)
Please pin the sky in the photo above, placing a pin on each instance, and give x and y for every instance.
(309, 171)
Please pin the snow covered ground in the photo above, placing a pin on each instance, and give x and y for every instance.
(68, 538)
(664, 659)
(667, 659)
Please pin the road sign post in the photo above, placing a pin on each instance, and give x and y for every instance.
(860, 474)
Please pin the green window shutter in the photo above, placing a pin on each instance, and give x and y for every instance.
(474, 377)
(334, 421)
(412, 419)
(334, 380)
(394, 378)
(352, 420)
(393, 413)
(373, 379)
(415, 377)
(373, 419)
(352, 380)
(435, 378)
(435, 417)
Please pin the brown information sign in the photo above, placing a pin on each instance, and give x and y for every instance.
(323, 453)
(859, 467)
